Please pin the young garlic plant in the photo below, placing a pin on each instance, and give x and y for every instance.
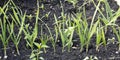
(66, 29)
(31, 36)
(16, 37)
(18, 20)
(100, 37)
(65, 33)
(4, 36)
(109, 20)
(82, 28)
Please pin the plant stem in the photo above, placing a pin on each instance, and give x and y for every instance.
(38, 54)
(5, 54)
(81, 48)
(44, 50)
(17, 50)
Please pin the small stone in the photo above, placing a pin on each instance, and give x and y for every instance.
(15, 55)
(5, 57)
(95, 58)
(116, 52)
(0, 57)
(74, 47)
(118, 2)
(86, 58)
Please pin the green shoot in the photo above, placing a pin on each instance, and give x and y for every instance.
(3, 25)
(81, 29)
(43, 40)
(117, 33)
(85, 33)
(90, 34)
(38, 51)
(16, 39)
(66, 34)
(98, 39)
(31, 37)
(53, 41)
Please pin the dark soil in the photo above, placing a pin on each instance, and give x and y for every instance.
(110, 52)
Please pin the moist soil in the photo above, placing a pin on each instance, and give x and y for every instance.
(110, 52)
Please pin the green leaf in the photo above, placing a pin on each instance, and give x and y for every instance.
(33, 56)
(69, 31)
(38, 45)
(92, 31)
(44, 46)
(98, 36)
(103, 37)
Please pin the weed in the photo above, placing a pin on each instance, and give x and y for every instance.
(36, 53)
(44, 39)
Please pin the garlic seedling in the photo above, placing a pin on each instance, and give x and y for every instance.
(118, 2)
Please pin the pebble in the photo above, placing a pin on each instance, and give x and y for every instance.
(118, 2)
(0, 57)
(116, 52)
(86, 58)
(5, 57)
(74, 47)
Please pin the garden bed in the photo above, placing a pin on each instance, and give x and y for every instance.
(51, 15)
